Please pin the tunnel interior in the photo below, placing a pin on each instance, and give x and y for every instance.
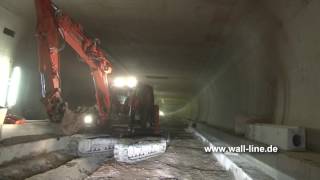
(212, 63)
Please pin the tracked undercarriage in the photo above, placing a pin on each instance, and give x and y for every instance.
(123, 150)
(138, 150)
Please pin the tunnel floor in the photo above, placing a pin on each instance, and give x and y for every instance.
(184, 159)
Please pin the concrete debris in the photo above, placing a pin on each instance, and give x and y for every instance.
(34, 147)
(24, 168)
(72, 170)
(184, 159)
(72, 121)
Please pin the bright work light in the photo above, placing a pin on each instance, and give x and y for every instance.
(4, 78)
(130, 82)
(14, 87)
(88, 119)
(161, 113)
(119, 82)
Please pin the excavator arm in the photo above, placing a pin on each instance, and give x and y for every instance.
(53, 25)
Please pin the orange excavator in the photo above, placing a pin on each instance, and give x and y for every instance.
(133, 103)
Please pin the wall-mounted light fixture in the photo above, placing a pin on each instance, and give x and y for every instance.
(14, 87)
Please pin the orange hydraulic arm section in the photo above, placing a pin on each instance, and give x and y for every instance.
(53, 24)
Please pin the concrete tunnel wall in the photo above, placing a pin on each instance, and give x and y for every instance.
(21, 50)
(270, 70)
(7, 46)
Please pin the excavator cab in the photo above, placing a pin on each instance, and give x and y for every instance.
(132, 109)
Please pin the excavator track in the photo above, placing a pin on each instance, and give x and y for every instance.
(140, 150)
(96, 146)
(123, 150)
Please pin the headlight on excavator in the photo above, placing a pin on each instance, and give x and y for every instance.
(88, 119)
(119, 82)
(161, 113)
(130, 82)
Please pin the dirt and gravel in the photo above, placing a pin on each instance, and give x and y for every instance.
(184, 159)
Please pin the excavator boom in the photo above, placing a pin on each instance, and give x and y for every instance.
(53, 25)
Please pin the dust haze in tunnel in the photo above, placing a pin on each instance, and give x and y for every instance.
(270, 69)
(160, 42)
(208, 60)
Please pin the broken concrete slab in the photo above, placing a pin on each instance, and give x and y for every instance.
(28, 129)
(25, 168)
(72, 170)
(26, 149)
